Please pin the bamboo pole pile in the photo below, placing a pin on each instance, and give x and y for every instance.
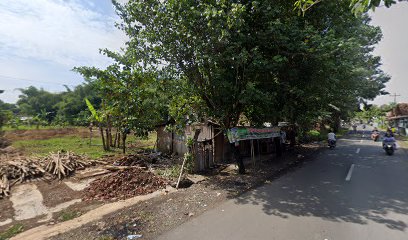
(63, 164)
(16, 171)
(16, 168)
(4, 186)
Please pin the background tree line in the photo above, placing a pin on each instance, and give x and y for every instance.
(40, 107)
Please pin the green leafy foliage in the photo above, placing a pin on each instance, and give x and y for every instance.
(257, 59)
(357, 6)
(92, 110)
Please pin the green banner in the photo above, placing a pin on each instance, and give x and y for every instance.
(239, 134)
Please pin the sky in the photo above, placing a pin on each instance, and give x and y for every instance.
(393, 49)
(42, 40)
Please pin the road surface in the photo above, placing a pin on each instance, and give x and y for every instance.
(355, 191)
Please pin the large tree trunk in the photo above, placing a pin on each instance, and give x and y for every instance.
(238, 158)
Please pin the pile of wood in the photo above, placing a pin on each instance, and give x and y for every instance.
(16, 168)
(16, 171)
(4, 186)
(63, 164)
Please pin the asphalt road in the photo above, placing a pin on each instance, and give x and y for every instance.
(321, 200)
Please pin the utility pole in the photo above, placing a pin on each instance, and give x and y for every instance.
(395, 95)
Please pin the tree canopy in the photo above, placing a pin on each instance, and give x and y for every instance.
(254, 58)
(356, 6)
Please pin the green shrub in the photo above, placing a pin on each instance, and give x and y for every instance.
(314, 135)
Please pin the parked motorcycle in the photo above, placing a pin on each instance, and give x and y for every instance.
(332, 144)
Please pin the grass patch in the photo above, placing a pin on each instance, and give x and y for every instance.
(79, 145)
(68, 215)
(12, 231)
(69, 143)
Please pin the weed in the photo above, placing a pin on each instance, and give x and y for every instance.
(12, 231)
(68, 215)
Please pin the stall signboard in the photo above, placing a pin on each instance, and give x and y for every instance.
(244, 133)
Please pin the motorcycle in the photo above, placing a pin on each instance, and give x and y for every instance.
(375, 136)
(389, 145)
(389, 148)
(332, 144)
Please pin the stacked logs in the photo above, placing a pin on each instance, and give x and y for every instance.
(63, 164)
(21, 169)
(13, 172)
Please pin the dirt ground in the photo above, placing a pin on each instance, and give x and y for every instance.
(54, 195)
(158, 215)
(39, 134)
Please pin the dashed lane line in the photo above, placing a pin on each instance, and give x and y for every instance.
(358, 150)
(350, 172)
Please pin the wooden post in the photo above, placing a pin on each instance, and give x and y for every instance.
(181, 172)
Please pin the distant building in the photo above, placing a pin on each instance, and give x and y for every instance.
(26, 119)
(398, 118)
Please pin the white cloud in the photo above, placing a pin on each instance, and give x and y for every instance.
(61, 32)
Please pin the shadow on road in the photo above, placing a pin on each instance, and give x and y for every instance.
(378, 192)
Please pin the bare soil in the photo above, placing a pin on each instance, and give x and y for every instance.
(40, 134)
(7, 211)
(56, 192)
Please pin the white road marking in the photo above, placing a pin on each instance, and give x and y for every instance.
(361, 140)
(358, 150)
(350, 172)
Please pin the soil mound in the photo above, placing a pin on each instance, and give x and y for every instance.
(124, 184)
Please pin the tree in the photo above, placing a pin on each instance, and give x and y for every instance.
(38, 102)
(72, 109)
(357, 6)
(257, 58)
(131, 97)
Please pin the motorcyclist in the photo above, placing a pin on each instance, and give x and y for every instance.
(331, 137)
(390, 132)
(389, 138)
(374, 134)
